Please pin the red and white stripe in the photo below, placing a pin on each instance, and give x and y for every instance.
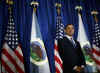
(3, 70)
(58, 61)
(12, 61)
(96, 56)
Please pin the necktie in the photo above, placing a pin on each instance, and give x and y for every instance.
(73, 42)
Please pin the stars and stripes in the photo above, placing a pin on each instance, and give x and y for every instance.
(96, 45)
(59, 35)
(11, 56)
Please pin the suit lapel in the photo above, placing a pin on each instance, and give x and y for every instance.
(67, 40)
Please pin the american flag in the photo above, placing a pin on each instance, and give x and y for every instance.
(11, 56)
(59, 35)
(96, 45)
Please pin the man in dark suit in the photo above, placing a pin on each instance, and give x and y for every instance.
(70, 52)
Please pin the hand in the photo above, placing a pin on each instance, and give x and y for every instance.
(79, 69)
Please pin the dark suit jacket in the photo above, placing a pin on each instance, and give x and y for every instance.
(70, 55)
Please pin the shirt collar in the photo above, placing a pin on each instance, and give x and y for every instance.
(69, 37)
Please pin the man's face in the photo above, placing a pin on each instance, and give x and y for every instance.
(69, 30)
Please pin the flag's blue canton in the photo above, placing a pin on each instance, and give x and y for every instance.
(96, 33)
(59, 28)
(11, 36)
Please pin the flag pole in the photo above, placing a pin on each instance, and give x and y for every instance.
(58, 11)
(9, 3)
(58, 8)
(34, 4)
(95, 13)
(79, 9)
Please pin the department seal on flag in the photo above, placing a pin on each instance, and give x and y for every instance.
(38, 53)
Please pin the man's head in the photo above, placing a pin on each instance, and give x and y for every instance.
(69, 29)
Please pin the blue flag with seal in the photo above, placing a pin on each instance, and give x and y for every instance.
(38, 58)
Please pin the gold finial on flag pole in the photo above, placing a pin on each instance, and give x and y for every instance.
(95, 13)
(34, 4)
(58, 7)
(9, 2)
(79, 8)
